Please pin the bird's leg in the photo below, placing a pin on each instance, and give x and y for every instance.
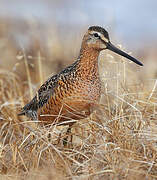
(65, 140)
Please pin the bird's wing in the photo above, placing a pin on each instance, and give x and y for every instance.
(47, 90)
(41, 97)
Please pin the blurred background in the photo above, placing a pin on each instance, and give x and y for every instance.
(53, 30)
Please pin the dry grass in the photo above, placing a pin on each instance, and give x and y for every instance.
(118, 141)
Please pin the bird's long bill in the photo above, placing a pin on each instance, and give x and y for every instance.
(120, 52)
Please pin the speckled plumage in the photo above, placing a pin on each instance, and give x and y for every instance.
(72, 93)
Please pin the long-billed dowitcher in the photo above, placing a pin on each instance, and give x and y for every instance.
(72, 93)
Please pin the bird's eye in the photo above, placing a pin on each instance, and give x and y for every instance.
(96, 35)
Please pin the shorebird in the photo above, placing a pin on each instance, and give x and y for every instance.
(73, 93)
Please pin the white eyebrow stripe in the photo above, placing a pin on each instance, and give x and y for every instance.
(102, 36)
(105, 39)
(92, 32)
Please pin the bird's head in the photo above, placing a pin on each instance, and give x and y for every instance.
(98, 38)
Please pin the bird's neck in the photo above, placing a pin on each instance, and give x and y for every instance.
(88, 61)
